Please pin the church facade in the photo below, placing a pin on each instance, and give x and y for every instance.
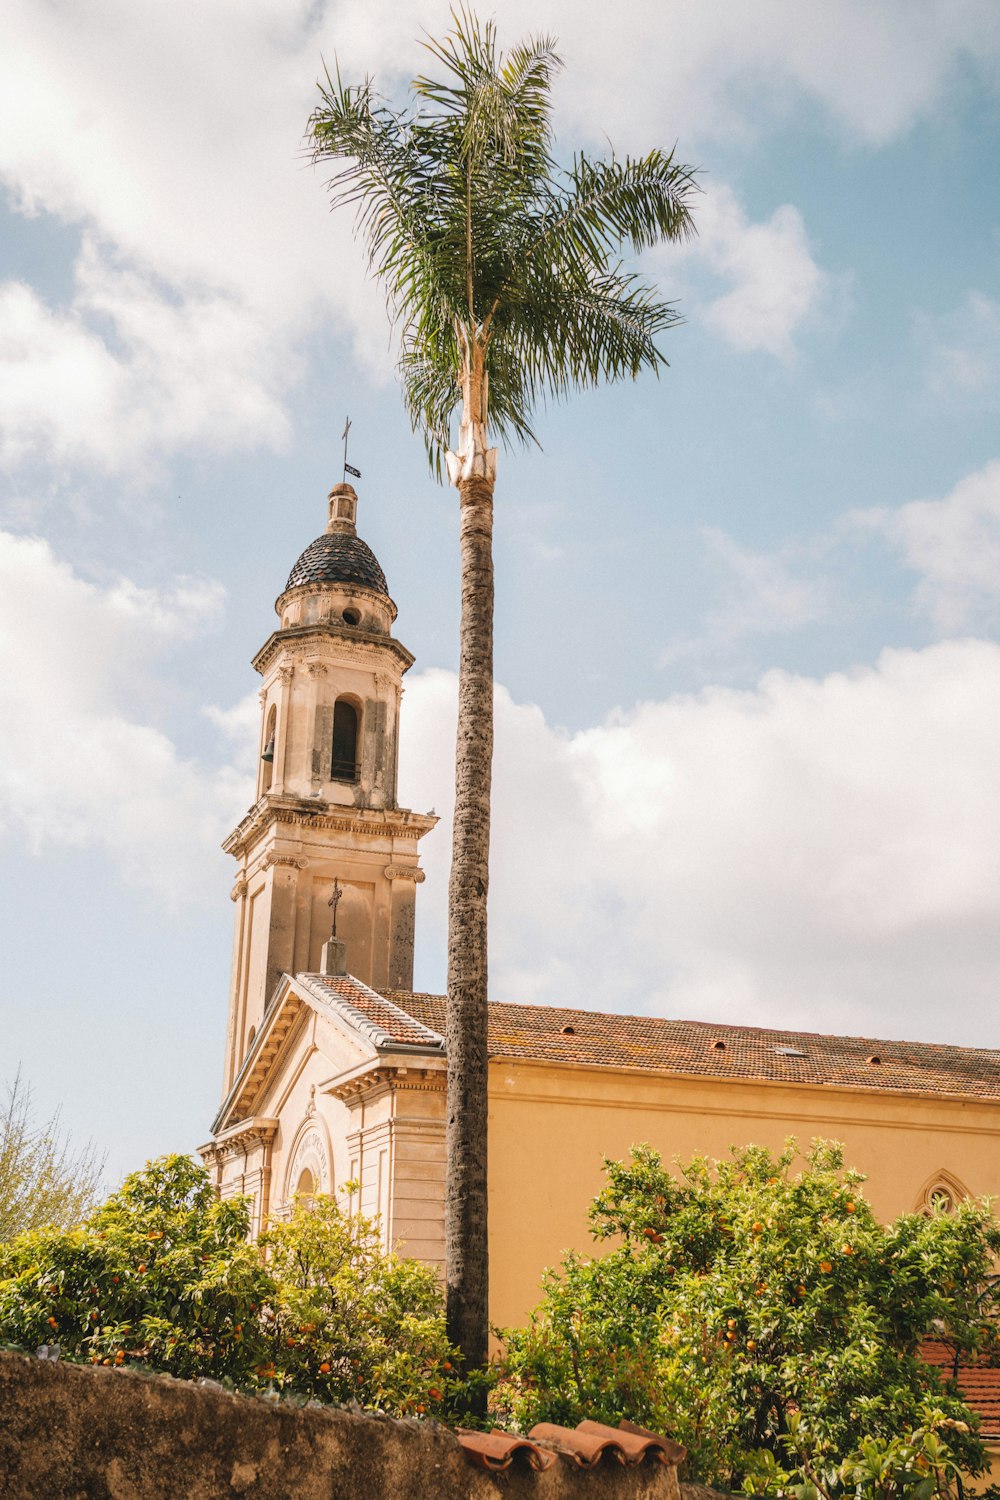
(334, 1077)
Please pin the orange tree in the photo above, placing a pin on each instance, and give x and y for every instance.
(751, 1309)
(351, 1321)
(163, 1275)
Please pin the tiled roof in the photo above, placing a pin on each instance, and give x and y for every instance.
(979, 1384)
(706, 1049)
(384, 1021)
(338, 557)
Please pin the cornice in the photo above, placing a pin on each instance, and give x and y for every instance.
(257, 1064)
(376, 1077)
(347, 642)
(297, 813)
(244, 1136)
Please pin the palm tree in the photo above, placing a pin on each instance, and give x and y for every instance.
(503, 277)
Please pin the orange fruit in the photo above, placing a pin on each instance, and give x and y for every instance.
(825, 1267)
(142, 1268)
(324, 1368)
(758, 1228)
(751, 1344)
(434, 1393)
(53, 1323)
(849, 1207)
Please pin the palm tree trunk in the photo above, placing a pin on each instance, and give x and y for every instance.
(465, 1194)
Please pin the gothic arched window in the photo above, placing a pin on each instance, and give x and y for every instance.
(345, 741)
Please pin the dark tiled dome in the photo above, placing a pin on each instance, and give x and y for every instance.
(339, 557)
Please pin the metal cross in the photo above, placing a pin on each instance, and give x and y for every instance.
(334, 902)
(348, 468)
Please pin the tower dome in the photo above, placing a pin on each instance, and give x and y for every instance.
(339, 556)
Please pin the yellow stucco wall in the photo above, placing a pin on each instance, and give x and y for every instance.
(551, 1126)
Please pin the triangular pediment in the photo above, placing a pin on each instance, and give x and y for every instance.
(355, 1026)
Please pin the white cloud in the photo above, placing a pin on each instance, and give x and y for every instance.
(172, 137)
(84, 765)
(775, 285)
(752, 593)
(964, 358)
(814, 853)
(709, 69)
(954, 545)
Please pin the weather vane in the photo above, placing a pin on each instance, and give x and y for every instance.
(334, 902)
(348, 468)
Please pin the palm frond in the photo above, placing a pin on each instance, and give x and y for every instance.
(480, 241)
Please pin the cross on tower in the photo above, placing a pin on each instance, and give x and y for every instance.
(333, 902)
(349, 468)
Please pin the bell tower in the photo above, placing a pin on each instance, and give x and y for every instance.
(326, 786)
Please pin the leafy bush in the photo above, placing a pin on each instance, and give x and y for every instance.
(919, 1466)
(163, 1275)
(351, 1322)
(743, 1300)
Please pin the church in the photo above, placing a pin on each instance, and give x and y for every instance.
(334, 1078)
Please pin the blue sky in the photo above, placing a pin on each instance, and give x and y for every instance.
(747, 615)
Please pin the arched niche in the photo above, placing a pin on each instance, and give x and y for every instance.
(309, 1170)
(943, 1189)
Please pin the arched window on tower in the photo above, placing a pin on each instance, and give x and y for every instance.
(267, 754)
(345, 741)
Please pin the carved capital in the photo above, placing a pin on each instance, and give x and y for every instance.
(316, 668)
(289, 860)
(262, 696)
(285, 674)
(239, 889)
(404, 872)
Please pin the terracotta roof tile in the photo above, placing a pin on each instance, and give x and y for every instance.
(706, 1049)
(978, 1383)
(386, 1022)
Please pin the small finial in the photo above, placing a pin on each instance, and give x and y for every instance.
(334, 902)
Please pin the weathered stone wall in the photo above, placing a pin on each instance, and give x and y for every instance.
(69, 1432)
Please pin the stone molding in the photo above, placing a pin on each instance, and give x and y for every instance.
(360, 1086)
(272, 809)
(405, 872)
(239, 1139)
(361, 647)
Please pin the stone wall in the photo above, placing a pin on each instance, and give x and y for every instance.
(70, 1432)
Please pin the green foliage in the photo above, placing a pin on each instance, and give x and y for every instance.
(485, 247)
(42, 1180)
(918, 1466)
(741, 1297)
(351, 1322)
(163, 1275)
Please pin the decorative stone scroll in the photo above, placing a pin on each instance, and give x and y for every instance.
(404, 872)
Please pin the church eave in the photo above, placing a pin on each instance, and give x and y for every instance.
(298, 812)
(349, 640)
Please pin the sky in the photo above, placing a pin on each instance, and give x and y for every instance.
(748, 613)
